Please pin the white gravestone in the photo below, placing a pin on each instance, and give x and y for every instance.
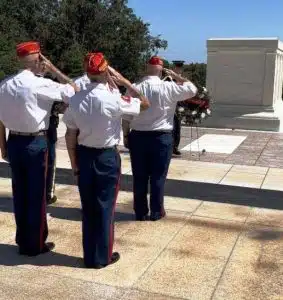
(244, 77)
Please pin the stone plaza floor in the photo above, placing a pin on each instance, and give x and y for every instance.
(222, 237)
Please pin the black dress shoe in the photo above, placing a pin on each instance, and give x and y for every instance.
(46, 248)
(177, 152)
(115, 257)
(141, 218)
(51, 200)
(157, 216)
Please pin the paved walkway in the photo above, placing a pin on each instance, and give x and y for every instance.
(252, 148)
(233, 146)
(222, 239)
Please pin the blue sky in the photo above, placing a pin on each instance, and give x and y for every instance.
(187, 24)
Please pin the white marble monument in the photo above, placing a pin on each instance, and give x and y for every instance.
(244, 77)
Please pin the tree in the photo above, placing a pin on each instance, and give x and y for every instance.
(21, 21)
(196, 72)
(68, 29)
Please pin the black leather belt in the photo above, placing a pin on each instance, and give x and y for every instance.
(152, 132)
(99, 149)
(38, 133)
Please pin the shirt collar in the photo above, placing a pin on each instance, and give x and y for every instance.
(26, 72)
(152, 78)
(100, 86)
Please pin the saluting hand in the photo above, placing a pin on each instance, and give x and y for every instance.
(175, 76)
(42, 68)
(134, 92)
(47, 63)
(119, 78)
(170, 72)
(60, 76)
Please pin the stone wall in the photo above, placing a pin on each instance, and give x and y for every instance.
(244, 77)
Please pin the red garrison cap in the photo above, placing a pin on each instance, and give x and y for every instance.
(27, 48)
(156, 61)
(96, 63)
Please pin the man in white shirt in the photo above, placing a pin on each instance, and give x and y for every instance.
(58, 107)
(25, 105)
(93, 121)
(82, 82)
(150, 140)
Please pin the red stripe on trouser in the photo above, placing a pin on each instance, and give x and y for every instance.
(43, 207)
(111, 235)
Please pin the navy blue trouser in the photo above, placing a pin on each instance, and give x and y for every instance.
(98, 183)
(28, 160)
(50, 186)
(150, 153)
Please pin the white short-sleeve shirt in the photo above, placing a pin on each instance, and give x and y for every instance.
(96, 112)
(82, 82)
(26, 101)
(163, 97)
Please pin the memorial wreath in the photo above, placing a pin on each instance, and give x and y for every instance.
(193, 111)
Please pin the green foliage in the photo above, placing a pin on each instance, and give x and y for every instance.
(196, 72)
(72, 60)
(68, 29)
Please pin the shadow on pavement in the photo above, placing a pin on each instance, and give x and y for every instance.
(266, 234)
(65, 213)
(9, 257)
(191, 190)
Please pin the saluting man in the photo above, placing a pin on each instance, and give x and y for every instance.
(178, 65)
(93, 121)
(150, 140)
(25, 105)
(52, 137)
(177, 118)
